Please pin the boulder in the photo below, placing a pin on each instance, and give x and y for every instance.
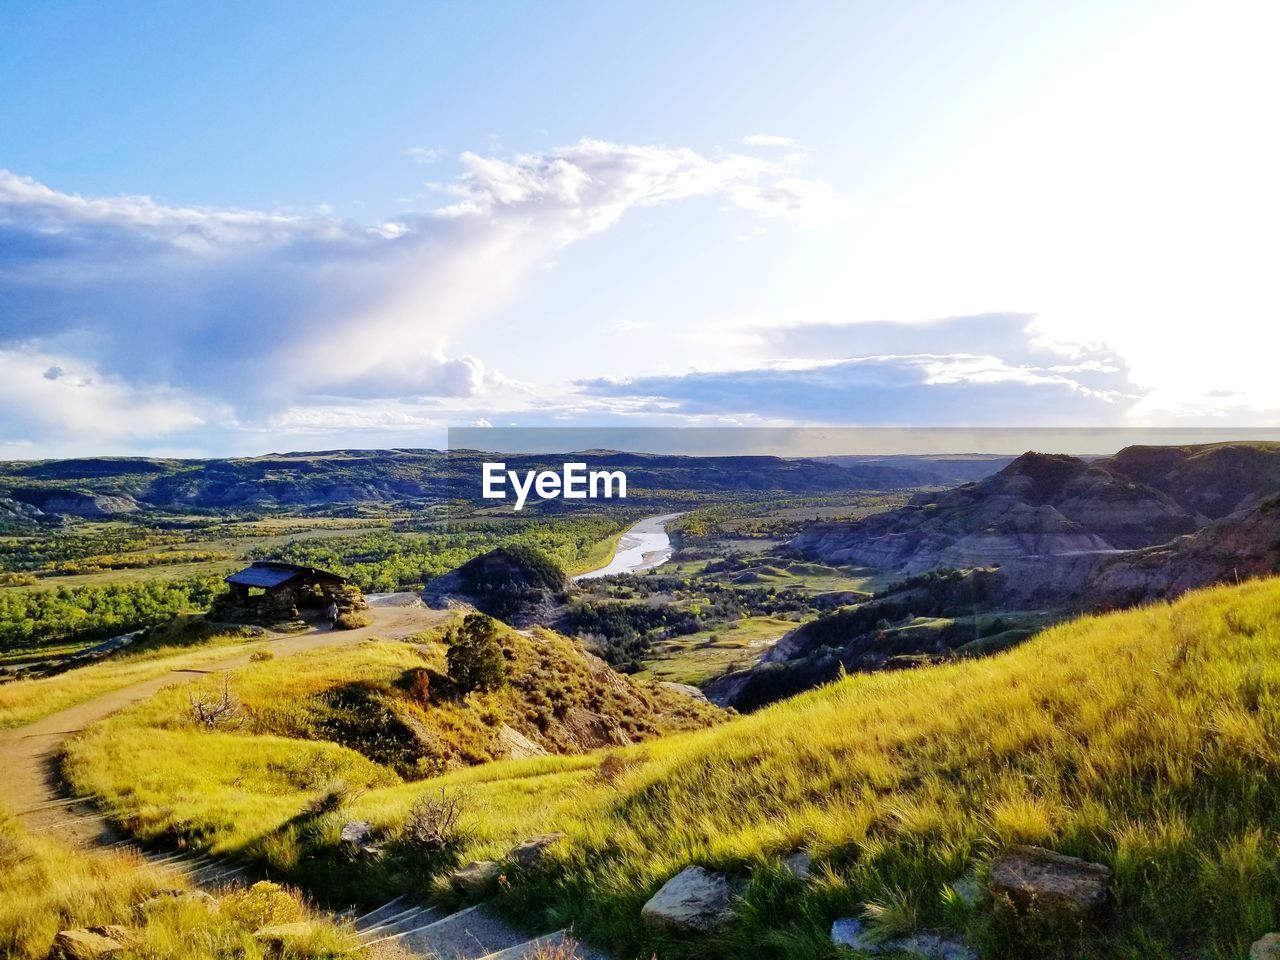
(694, 900)
(516, 745)
(799, 865)
(968, 890)
(90, 943)
(357, 836)
(530, 852)
(1266, 948)
(476, 877)
(356, 832)
(1035, 877)
(855, 934)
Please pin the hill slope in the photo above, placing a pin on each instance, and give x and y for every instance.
(1147, 740)
(1041, 504)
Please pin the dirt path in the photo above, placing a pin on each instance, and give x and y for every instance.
(28, 754)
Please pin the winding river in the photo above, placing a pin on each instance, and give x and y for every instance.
(643, 547)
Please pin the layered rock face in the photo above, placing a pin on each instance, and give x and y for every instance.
(1039, 505)
(1211, 481)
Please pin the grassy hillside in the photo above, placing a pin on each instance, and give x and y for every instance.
(1147, 740)
(47, 886)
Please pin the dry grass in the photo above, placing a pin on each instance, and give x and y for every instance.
(46, 886)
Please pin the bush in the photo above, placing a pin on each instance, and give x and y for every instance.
(475, 656)
(262, 904)
(354, 620)
(261, 656)
(433, 822)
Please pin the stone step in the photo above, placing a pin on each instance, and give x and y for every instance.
(372, 918)
(470, 934)
(530, 949)
(396, 925)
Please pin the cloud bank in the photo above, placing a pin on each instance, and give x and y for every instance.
(168, 317)
(957, 371)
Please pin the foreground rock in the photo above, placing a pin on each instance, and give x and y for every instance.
(853, 933)
(1032, 877)
(532, 851)
(476, 877)
(91, 943)
(693, 901)
(1266, 948)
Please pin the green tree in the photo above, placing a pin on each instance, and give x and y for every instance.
(475, 656)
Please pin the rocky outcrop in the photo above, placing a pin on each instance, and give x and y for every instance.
(1243, 545)
(72, 503)
(695, 900)
(1038, 879)
(1265, 948)
(1211, 481)
(476, 878)
(1039, 505)
(92, 943)
(857, 935)
(533, 851)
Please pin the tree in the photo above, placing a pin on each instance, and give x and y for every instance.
(475, 656)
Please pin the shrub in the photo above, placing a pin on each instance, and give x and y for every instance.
(354, 620)
(212, 711)
(475, 656)
(432, 824)
(261, 656)
(263, 903)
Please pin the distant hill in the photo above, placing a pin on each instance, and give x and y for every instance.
(940, 469)
(336, 478)
(1209, 480)
(1040, 504)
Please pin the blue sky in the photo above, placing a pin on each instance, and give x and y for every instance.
(240, 227)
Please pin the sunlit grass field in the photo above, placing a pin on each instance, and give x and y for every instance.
(1147, 740)
(697, 657)
(26, 700)
(47, 886)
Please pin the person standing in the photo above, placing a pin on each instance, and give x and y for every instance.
(331, 614)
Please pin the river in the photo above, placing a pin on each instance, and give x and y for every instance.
(643, 547)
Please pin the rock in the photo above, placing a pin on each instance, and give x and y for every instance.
(968, 890)
(281, 935)
(853, 933)
(1033, 876)
(356, 832)
(90, 943)
(799, 865)
(517, 746)
(1266, 948)
(694, 900)
(530, 852)
(476, 877)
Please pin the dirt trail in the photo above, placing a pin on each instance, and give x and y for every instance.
(28, 754)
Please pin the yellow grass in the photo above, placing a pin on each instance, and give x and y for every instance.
(26, 700)
(47, 886)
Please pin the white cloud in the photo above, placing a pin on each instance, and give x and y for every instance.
(262, 312)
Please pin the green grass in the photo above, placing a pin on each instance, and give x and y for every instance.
(698, 657)
(26, 700)
(47, 886)
(1147, 740)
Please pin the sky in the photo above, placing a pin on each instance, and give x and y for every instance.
(237, 228)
